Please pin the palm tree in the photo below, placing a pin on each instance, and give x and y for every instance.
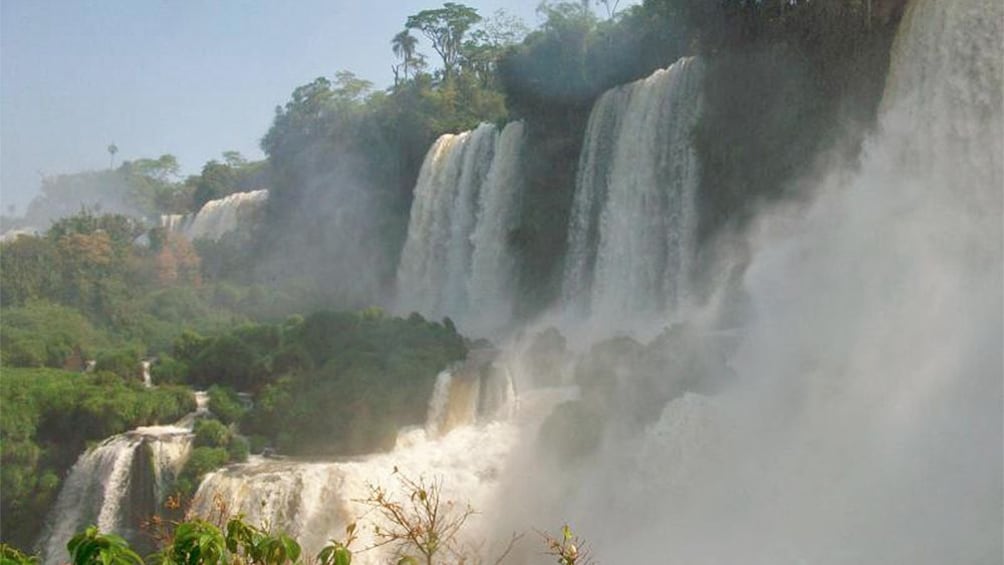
(403, 45)
(112, 150)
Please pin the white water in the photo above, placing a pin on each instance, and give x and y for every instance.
(464, 444)
(493, 265)
(217, 217)
(456, 261)
(98, 487)
(147, 379)
(176, 223)
(633, 221)
(865, 421)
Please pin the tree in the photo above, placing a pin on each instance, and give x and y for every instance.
(217, 180)
(445, 27)
(234, 159)
(424, 524)
(349, 88)
(403, 46)
(112, 150)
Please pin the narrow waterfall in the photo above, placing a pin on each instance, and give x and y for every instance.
(118, 484)
(633, 220)
(455, 260)
(436, 257)
(217, 217)
(493, 266)
(176, 223)
(476, 391)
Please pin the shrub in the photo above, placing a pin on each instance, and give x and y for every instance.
(211, 433)
(168, 370)
(225, 404)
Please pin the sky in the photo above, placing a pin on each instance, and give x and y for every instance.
(187, 77)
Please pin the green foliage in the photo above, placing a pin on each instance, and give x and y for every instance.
(195, 542)
(11, 556)
(258, 546)
(168, 370)
(48, 418)
(26, 270)
(226, 360)
(445, 28)
(359, 377)
(225, 404)
(124, 362)
(338, 552)
(211, 433)
(91, 547)
(238, 449)
(44, 334)
(202, 460)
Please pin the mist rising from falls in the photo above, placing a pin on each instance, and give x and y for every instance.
(456, 261)
(465, 443)
(864, 422)
(633, 221)
(217, 217)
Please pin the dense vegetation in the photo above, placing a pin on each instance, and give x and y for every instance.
(49, 416)
(333, 382)
(84, 292)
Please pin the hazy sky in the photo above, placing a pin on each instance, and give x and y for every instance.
(192, 78)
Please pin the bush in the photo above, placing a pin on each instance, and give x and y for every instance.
(43, 334)
(168, 370)
(202, 460)
(124, 362)
(238, 449)
(211, 433)
(225, 404)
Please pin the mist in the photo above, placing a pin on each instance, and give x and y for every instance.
(708, 282)
(863, 420)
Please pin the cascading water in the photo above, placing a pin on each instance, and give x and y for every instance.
(436, 256)
(314, 501)
(632, 226)
(217, 217)
(864, 421)
(456, 261)
(119, 483)
(176, 223)
(493, 265)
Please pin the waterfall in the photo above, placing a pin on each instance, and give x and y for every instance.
(466, 441)
(633, 219)
(864, 421)
(217, 217)
(493, 266)
(176, 223)
(147, 379)
(118, 484)
(476, 391)
(456, 260)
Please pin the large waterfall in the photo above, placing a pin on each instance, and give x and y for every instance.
(863, 424)
(456, 261)
(633, 220)
(119, 484)
(217, 217)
